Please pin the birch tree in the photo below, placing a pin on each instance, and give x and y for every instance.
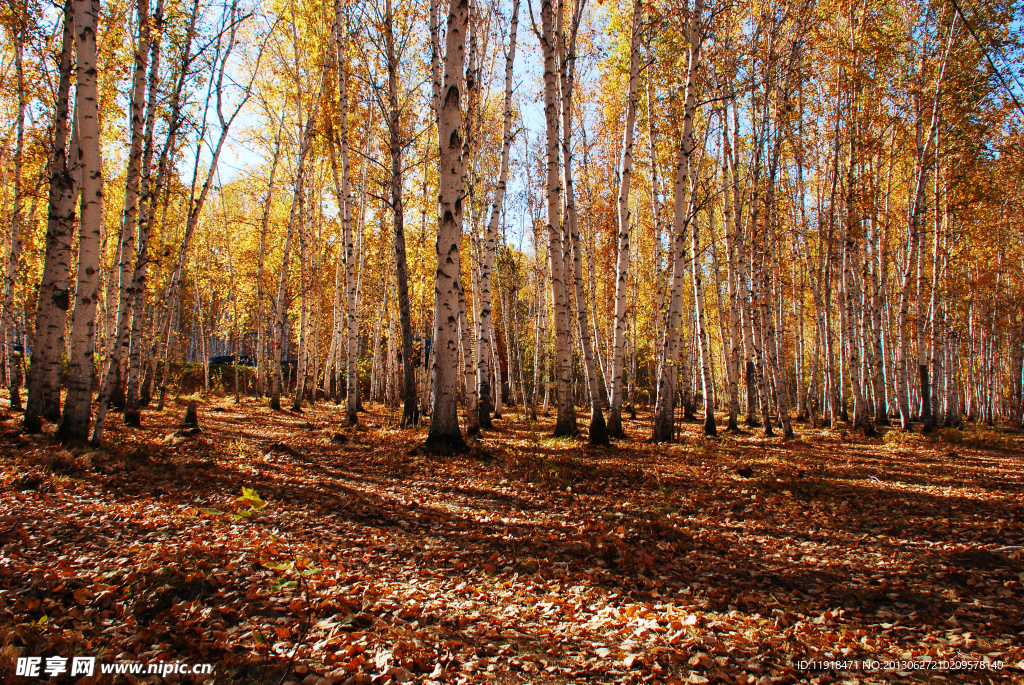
(925, 139)
(598, 431)
(707, 389)
(396, 143)
(664, 411)
(261, 343)
(550, 37)
(7, 320)
(54, 298)
(77, 412)
(622, 262)
(486, 364)
(445, 436)
(117, 346)
(307, 128)
(348, 246)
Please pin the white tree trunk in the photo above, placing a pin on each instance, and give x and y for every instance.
(656, 219)
(733, 353)
(306, 130)
(861, 419)
(117, 344)
(445, 437)
(396, 144)
(466, 340)
(598, 433)
(665, 405)
(551, 39)
(622, 261)
(171, 293)
(261, 341)
(702, 336)
(917, 200)
(347, 248)
(8, 323)
(302, 360)
(78, 402)
(486, 366)
(53, 300)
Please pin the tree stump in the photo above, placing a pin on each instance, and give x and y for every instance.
(191, 415)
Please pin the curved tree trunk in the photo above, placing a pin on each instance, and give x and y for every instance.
(171, 293)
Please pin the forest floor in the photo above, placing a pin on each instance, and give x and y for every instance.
(737, 559)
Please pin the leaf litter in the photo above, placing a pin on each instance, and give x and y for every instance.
(282, 553)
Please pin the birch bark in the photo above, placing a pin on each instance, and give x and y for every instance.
(74, 425)
(306, 132)
(117, 345)
(444, 436)
(351, 294)
(622, 261)
(302, 359)
(735, 339)
(486, 362)
(598, 434)
(665, 407)
(53, 301)
(410, 409)
(924, 143)
(565, 424)
(8, 323)
(261, 334)
(701, 333)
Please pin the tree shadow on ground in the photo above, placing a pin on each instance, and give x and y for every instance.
(641, 522)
